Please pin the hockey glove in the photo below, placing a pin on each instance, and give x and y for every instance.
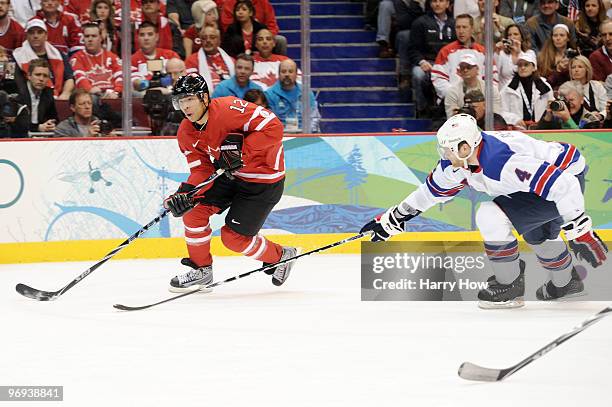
(230, 157)
(584, 242)
(179, 203)
(388, 224)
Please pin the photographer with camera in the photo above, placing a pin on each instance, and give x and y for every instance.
(469, 74)
(82, 123)
(14, 117)
(516, 41)
(566, 110)
(145, 75)
(38, 97)
(156, 101)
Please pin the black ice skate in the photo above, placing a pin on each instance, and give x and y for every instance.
(549, 291)
(280, 273)
(499, 296)
(195, 278)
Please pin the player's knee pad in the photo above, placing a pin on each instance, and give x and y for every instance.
(234, 240)
(493, 223)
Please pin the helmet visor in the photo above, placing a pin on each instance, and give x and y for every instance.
(179, 100)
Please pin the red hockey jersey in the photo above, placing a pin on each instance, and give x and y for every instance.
(13, 37)
(262, 152)
(79, 8)
(65, 34)
(164, 31)
(102, 70)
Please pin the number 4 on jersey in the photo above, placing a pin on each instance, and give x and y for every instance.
(522, 175)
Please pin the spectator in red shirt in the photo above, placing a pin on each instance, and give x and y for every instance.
(95, 69)
(36, 46)
(80, 8)
(12, 34)
(169, 34)
(266, 63)
(147, 40)
(264, 13)
(239, 38)
(204, 13)
(601, 58)
(63, 29)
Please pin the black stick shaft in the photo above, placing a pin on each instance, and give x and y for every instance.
(49, 296)
(239, 276)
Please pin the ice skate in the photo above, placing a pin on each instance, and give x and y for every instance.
(280, 273)
(501, 296)
(194, 279)
(549, 291)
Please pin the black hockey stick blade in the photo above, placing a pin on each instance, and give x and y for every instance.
(41, 295)
(471, 371)
(268, 267)
(35, 294)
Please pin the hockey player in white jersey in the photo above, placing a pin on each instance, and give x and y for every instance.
(537, 188)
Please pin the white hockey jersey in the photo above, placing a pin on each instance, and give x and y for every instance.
(510, 162)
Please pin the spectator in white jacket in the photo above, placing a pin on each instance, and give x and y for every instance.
(595, 97)
(507, 52)
(525, 99)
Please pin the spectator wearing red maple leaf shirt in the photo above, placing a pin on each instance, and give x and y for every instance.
(12, 34)
(63, 29)
(266, 63)
(211, 61)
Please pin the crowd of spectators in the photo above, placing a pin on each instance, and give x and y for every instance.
(61, 73)
(552, 65)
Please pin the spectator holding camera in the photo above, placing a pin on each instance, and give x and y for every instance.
(12, 34)
(526, 97)
(97, 70)
(82, 123)
(469, 72)
(565, 111)
(39, 97)
(516, 41)
(600, 58)
(595, 97)
(592, 14)
(553, 60)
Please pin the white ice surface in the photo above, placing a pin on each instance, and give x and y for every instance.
(311, 342)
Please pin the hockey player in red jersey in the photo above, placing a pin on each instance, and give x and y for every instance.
(246, 141)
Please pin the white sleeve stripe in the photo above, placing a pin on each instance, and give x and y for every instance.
(253, 116)
(194, 163)
(278, 157)
(265, 121)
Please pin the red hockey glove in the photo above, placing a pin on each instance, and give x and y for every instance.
(584, 242)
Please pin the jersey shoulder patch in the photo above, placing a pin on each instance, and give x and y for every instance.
(494, 155)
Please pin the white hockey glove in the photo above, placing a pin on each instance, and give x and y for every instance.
(584, 242)
(388, 224)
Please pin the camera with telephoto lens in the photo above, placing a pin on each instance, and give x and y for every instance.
(571, 53)
(467, 109)
(158, 79)
(559, 104)
(106, 127)
(8, 106)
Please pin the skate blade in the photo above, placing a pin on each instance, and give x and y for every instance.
(194, 287)
(567, 298)
(515, 303)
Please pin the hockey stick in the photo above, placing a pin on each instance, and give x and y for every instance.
(268, 267)
(40, 295)
(470, 371)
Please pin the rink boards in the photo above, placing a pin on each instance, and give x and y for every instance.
(75, 199)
